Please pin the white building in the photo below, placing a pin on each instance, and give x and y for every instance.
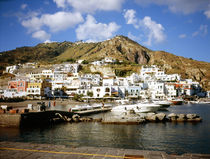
(171, 90)
(101, 91)
(156, 89)
(13, 93)
(11, 69)
(109, 81)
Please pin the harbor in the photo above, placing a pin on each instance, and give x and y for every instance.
(92, 130)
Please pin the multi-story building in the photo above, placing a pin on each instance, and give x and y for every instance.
(39, 89)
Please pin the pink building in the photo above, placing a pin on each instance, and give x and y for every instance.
(19, 85)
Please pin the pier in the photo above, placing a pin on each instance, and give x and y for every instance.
(92, 111)
(12, 150)
(36, 118)
(33, 118)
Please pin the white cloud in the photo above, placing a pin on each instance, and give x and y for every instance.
(182, 36)
(32, 24)
(93, 31)
(152, 30)
(23, 6)
(202, 31)
(90, 6)
(133, 37)
(56, 22)
(155, 31)
(179, 6)
(61, 20)
(60, 3)
(130, 18)
(41, 35)
(207, 14)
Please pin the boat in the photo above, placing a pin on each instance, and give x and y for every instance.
(123, 101)
(163, 103)
(177, 101)
(137, 108)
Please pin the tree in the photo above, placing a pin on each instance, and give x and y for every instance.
(90, 94)
(85, 62)
(78, 97)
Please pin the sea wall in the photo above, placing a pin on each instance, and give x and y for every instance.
(10, 120)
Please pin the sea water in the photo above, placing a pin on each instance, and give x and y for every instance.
(170, 137)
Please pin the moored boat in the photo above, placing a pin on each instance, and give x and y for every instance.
(163, 103)
(177, 101)
(137, 108)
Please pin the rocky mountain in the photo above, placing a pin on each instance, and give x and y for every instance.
(119, 47)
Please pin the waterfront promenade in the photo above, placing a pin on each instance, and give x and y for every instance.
(19, 150)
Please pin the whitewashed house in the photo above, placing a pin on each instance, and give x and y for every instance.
(97, 63)
(13, 93)
(156, 89)
(109, 60)
(133, 91)
(171, 90)
(47, 74)
(109, 81)
(101, 91)
(11, 69)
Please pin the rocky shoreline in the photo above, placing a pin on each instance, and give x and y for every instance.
(132, 118)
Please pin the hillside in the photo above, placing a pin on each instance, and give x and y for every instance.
(119, 47)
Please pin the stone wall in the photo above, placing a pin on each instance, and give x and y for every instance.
(10, 120)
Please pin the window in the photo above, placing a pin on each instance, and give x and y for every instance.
(107, 90)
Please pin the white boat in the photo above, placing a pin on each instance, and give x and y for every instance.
(163, 103)
(123, 101)
(137, 108)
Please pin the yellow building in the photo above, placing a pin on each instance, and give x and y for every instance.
(38, 89)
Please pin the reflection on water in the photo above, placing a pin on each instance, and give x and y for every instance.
(170, 137)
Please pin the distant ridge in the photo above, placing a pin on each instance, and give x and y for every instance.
(119, 47)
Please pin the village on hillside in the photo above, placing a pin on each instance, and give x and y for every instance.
(65, 81)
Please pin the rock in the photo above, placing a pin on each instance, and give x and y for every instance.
(97, 120)
(172, 117)
(76, 118)
(161, 116)
(151, 117)
(191, 116)
(181, 117)
(198, 119)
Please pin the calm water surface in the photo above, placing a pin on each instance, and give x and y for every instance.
(169, 137)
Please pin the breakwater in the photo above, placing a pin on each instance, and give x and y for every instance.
(26, 118)
(33, 118)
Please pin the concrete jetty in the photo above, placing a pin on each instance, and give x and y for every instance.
(92, 111)
(13, 150)
(33, 118)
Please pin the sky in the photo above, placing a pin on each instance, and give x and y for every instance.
(181, 27)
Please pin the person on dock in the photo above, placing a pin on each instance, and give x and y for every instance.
(43, 107)
(49, 104)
